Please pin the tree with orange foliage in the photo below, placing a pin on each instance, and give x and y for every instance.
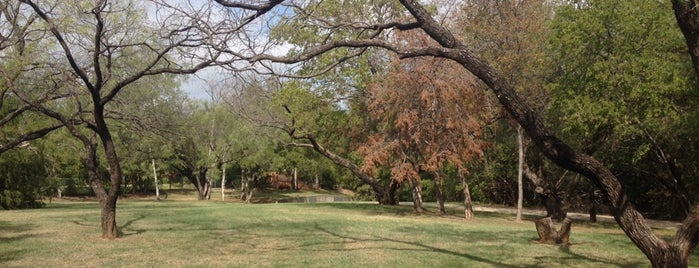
(428, 119)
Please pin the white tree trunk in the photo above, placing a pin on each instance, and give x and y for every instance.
(223, 182)
(520, 168)
(155, 177)
(295, 184)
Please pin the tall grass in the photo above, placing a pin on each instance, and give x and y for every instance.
(218, 234)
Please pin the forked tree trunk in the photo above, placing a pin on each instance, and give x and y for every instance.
(202, 183)
(246, 190)
(550, 235)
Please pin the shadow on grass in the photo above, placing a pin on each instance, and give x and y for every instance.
(577, 258)
(13, 233)
(11, 255)
(127, 227)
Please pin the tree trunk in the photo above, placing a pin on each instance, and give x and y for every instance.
(439, 193)
(202, 183)
(223, 182)
(107, 204)
(246, 191)
(548, 233)
(593, 206)
(554, 206)
(155, 178)
(109, 201)
(468, 205)
(520, 169)
(295, 183)
(388, 196)
(416, 191)
(316, 185)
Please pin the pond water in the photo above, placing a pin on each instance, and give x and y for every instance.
(316, 199)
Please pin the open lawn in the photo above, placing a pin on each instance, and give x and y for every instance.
(221, 234)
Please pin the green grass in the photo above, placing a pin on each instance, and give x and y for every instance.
(220, 234)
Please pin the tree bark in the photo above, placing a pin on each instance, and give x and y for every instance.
(201, 183)
(520, 170)
(438, 191)
(155, 178)
(468, 205)
(295, 184)
(688, 22)
(223, 182)
(593, 205)
(416, 191)
(548, 233)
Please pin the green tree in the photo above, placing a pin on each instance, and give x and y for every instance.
(621, 92)
(100, 41)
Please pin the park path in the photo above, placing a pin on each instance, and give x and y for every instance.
(658, 224)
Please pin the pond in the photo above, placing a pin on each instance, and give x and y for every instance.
(316, 199)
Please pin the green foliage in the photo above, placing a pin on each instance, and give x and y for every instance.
(624, 90)
(22, 175)
(621, 66)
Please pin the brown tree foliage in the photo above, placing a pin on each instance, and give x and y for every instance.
(430, 114)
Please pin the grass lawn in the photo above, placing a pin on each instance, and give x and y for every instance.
(175, 233)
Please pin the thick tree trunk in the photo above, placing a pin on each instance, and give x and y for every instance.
(109, 206)
(548, 233)
(389, 195)
(554, 206)
(108, 216)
